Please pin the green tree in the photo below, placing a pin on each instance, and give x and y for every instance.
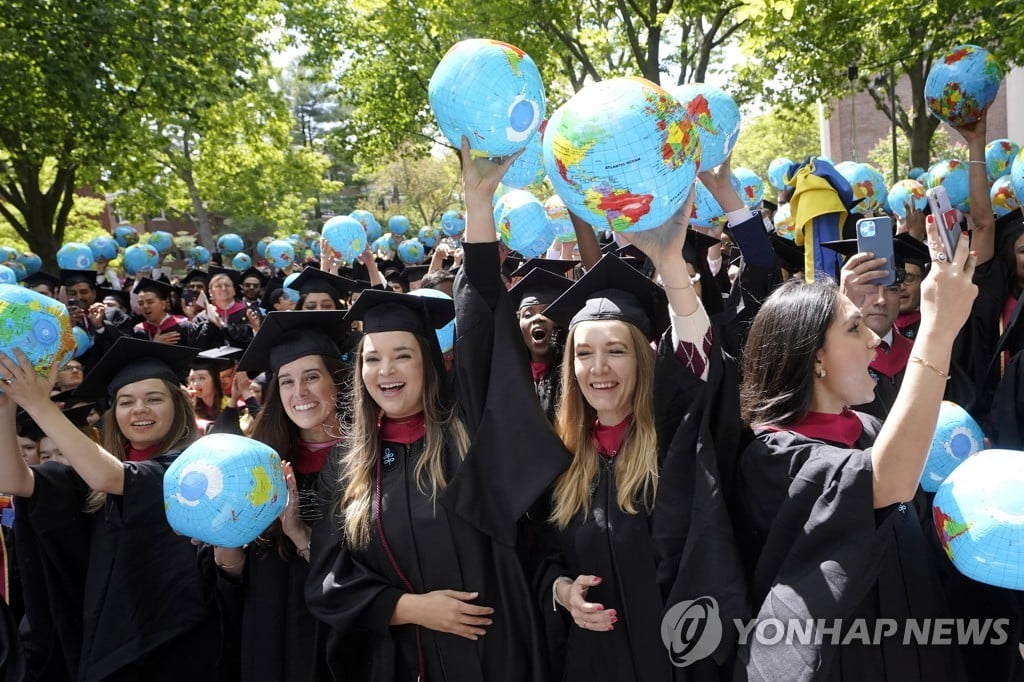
(420, 188)
(791, 132)
(942, 147)
(82, 80)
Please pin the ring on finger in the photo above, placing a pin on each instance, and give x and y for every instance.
(940, 257)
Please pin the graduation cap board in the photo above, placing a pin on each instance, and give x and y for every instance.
(120, 295)
(612, 290)
(234, 275)
(257, 273)
(42, 278)
(161, 289)
(69, 277)
(285, 336)
(790, 256)
(200, 275)
(314, 280)
(130, 360)
(539, 287)
(553, 265)
(216, 360)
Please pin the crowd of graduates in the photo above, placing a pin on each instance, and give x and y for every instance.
(670, 415)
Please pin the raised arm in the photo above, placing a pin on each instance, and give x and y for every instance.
(984, 237)
(901, 448)
(15, 475)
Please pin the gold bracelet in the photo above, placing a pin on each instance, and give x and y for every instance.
(922, 361)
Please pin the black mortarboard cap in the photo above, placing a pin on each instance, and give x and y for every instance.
(612, 290)
(314, 280)
(510, 265)
(770, 205)
(69, 277)
(195, 274)
(555, 265)
(79, 414)
(610, 247)
(907, 248)
(388, 311)
(130, 360)
(255, 272)
(161, 289)
(234, 275)
(790, 256)
(37, 278)
(285, 336)
(539, 287)
(120, 294)
(414, 273)
(697, 244)
(26, 427)
(216, 359)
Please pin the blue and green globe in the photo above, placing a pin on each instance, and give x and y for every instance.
(961, 83)
(1004, 199)
(523, 223)
(37, 325)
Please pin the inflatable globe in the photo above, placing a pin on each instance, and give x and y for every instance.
(225, 490)
(1017, 176)
(83, 342)
(7, 275)
(280, 253)
(289, 291)
(241, 261)
(446, 334)
(915, 173)
(751, 187)
(716, 117)
(453, 223)
(999, 156)
(315, 248)
(398, 225)
(162, 241)
(953, 175)
(369, 223)
(125, 236)
(978, 513)
(528, 169)
(706, 212)
(229, 244)
(37, 325)
(20, 272)
(140, 257)
(957, 437)
(75, 256)
(904, 193)
(1004, 201)
(868, 185)
(491, 93)
(523, 223)
(429, 236)
(501, 191)
(31, 261)
(561, 223)
(411, 252)
(199, 255)
(346, 236)
(261, 246)
(384, 244)
(961, 83)
(298, 243)
(8, 254)
(103, 247)
(785, 225)
(622, 154)
(777, 170)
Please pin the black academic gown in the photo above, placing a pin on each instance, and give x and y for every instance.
(465, 539)
(119, 594)
(815, 548)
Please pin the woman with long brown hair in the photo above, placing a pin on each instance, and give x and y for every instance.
(110, 590)
(418, 551)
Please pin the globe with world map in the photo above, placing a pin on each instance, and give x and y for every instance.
(37, 325)
(622, 153)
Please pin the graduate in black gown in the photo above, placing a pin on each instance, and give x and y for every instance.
(824, 511)
(111, 592)
(160, 325)
(416, 554)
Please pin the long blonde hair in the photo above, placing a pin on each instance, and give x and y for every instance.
(636, 464)
(363, 441)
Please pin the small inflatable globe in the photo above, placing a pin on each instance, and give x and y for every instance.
(716, 117)
(162, 241)
(298, 244)
(978, 513)
(346, 236)
(7, 275)
(139, 258)
(957, 437)
(291, 292)
(37, 325)
(446, 334)
(411, 252)
(1004, 201)
(1017, 177)
(314, 246)
(785, 225)
(225, 490)
(261, 246)
(398, 225)
(915, 173)
(904, 193)
(8, 254)
(622, 154)
(706, 212)
(999, 156)
(528, 169)
(491, 93)
(75, 256)
(751, 187)
(199, 255)
(501, 191)
(369, 223)
(961, 83)
(241, 261)
(868, 184)
(280, 253)
(103, 247)
(32, 262)
(523, 223)
(229, 244)
(453, 223)
(953, 175)
(429, 236)
(125, 236)
(561, 223)
(777, 170)
(20, 272)
(83, 342)
(384, 244)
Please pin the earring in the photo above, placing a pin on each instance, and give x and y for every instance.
(821, 373)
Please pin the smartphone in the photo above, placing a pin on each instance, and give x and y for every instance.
(875, 235)
(947, 219)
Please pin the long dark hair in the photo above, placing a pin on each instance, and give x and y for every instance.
(778, 359)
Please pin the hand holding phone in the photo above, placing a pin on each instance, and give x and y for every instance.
(947, 219)
(874, 235)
